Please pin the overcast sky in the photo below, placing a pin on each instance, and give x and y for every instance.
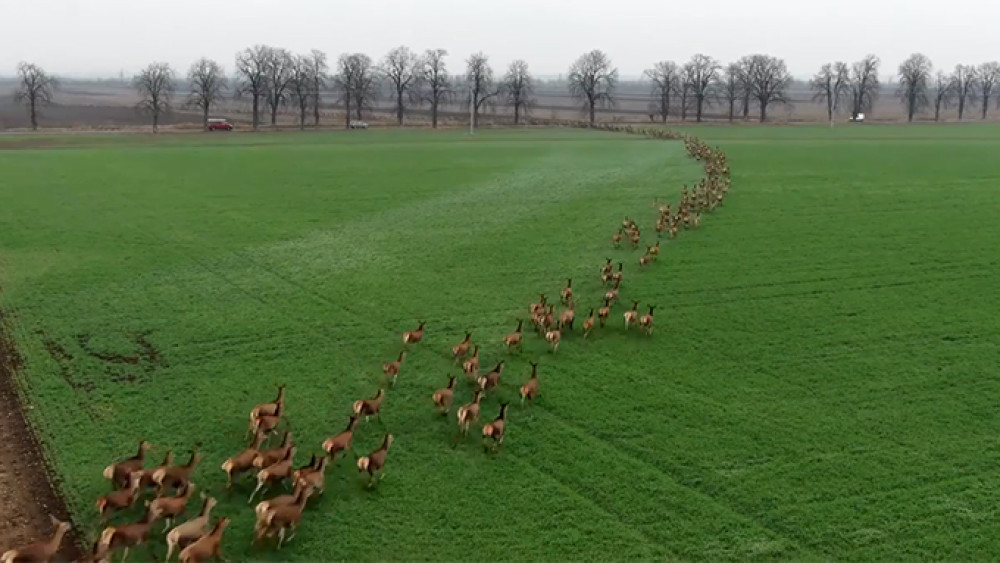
(103, 37)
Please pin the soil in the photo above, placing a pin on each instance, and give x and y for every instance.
(27, 496)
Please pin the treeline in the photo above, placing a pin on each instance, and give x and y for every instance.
(272, 78)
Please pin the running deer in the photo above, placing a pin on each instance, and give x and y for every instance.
(184, 534)
(540, 306)
(606, 271)
(312, 478)
(147, 474)
(374, 463)
(169, 508)
(530, 389)
(268, 409)
(568, 316)
(40, 551)
(281, 518)
(466, 415)
(553, 337)
(646, 322)
(442, 397)
(459, 350)
(471, 366)
(176, 476)
(654, 250)
(391, 369)
(604, 311)
(242, 461)
(120, 499)
(414, 336)
(645, 259)
(495, 430)
(274, 473)
(513, 340)
(617, 276)
(567, 292)
(118, 473)
(128, 536)
(267, 423)
(265, 458)
(616, 239)
(588, 325)
(632, 315)
(206, 546)
(612, 294)
(341, 442)
(491, 379)
(369, 407)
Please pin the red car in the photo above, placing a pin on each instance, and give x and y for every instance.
(220, 124)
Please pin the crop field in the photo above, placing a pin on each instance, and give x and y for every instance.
(821, 383)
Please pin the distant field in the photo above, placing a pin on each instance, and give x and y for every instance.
(821, 383)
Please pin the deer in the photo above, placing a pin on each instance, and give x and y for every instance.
(391, 369)
(281, 517)
(374, 463)
(513, 340)
(369, 407)
(459, 350)
(265, 458)
(612, 294)
(147, 474)
(646, 322)
(312, 478)
(491, 379)
(530, 389)
(341, 442)
(118, 473)
(606, 271)
(654, 250)
(588, 325)
(192, 529)
(206, 546)
(267, 423)
(696, 220)
(567, 292)
(40, 551)
(495, 429)
(169, 508)
(568, 316)
(470, 367)
(540, 306)
(414, 336)
(616, 239)
(632, 315)
(120, 499)
(176, 475)
(467, 414)
(442, 397)
(265, 506)
(553, 337)
(128, 536)
(604, 311)
(617, 276)
(242, 461)
(268, 409)
(274, 473)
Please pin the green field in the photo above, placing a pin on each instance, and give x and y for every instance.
(821, 384)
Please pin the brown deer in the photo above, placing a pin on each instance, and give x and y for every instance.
(616, 239)
(169, 508)
(568, 316)
(369, 407)
(118, 473)
(588, 325)
(41, 551)
(273, 455)
(176, 476)
(312, 478)
(442, 397)
(206, 546)
(267, 423)
(530, 389)
(374, 463)
(274, 473)
(280, 518)
(242, 461)
(147, 474)
(268, 409)
(654, 250)
(414, 336)
(491, 379)
(553, 337)
(120, 499)
(540, 306)
(619, 275)
(471, 366)
(567, 292)
(391, 369)
(646, 322)
(612, 294)
(466, 415)
(632, 315)
(185, 533)
(604, 311)
(513, 340)
(495, 430)
(128, 536)
(459, 350)
(341, 442)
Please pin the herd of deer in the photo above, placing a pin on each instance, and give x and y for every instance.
(200, 538)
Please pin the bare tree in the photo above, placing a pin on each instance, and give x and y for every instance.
(767, 78)
(685, 93)
(278, 76)
(963, 82)
(434, 77)
(251, 72)
(830, 84)
(864, 84)
(155, 84)
(207, 80)
(592, 80)
(300, 87)
(34, 88)
(745, 88)
(356, 81)
(401, 67)
(666, 82)
(914, 82)
(317, 72)
(987, 75)
(701, 74)
(479, 78)
(944, 92)
(517, 87)
(732, 87)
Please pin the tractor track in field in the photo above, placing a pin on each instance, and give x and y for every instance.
(27, 494)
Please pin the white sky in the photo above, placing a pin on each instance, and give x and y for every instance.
(102, 37)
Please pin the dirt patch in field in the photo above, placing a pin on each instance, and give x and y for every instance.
(27, 497)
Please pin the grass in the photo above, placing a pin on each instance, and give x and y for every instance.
(821, 384)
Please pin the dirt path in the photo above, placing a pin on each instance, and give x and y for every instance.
(26, 495)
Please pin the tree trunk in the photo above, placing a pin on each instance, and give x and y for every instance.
(204, 117)
(517, 113)
(302, 116)
(434, 113)
(399, 107)
(961, 106)
(359, 108)
(316, 107)
(592, 112)
(732, 109)
(34, 115)
(829, 105)
(937, 111)
(274, 113)
(763, 111)
(347, 110)
(986, 105)
(256, 111)
(699, 101)
(911, 106)
(746, 106)
(156, 120)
